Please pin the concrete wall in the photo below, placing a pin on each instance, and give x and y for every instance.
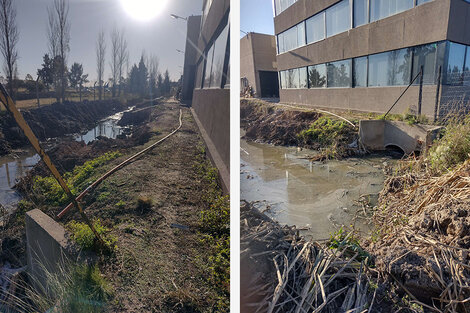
(190, 57)
(211, 108)
(459, 22)
(47, 247)
(370, 99)
(257, 53)
(424, 24)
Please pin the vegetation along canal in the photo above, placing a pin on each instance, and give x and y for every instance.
(16, 165)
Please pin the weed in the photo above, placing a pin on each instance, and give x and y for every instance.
(85, 238)
(342, 240)
(324, 131)
(74, 288)
(50, 189)
(121, 204)
(453, 148)
(103, 196)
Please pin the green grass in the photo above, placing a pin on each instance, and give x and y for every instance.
(452, 149)
(49, 189)
(85, 238)
(214, 226)
(324, 131)
(73, 288)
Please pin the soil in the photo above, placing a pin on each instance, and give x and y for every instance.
(56, 120)
(157, 266)
(268, 123)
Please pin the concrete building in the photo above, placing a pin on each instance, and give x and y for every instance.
(190, 58)
(258, 64)
(363, 54)
(211, 94)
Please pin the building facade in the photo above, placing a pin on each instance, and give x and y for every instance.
(258, 64)
(211, 94)
(190, 58)
(363, 54)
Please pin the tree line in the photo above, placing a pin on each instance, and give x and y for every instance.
(143, 78)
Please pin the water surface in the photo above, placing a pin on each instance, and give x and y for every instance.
(317, 196)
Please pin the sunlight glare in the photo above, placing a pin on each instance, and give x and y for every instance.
(143, 10)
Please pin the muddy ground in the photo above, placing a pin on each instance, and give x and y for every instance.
(56, 120)
(272, 123)
(157, 266)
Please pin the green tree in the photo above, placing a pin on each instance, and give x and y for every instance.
(142, 77)
(46, 73)
(75, 75)
(166, 83)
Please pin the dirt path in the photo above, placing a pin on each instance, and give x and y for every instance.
(165, 260)
(158, 267)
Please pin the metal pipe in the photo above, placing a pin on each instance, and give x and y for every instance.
(118, 167)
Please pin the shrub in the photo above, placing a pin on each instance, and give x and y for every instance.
(323, 131)
(85, 238)
(453, 148)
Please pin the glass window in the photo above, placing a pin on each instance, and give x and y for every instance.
(399, 67)
(303, 77)
(227, 81)
(360, 72)
(220, 52)
(382, 8)
(207, 73)
(339, 74)
(300, 34)
(338, 18)
(292, 38)
(378, 69)
(317, 76)
(281, 5)
(418, 2)
(200, 68)
(316, 28)
(466, 68)
(424, 56)
(455, 54)
(360, 13)
(292, 78)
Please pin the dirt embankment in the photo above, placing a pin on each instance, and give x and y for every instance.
(55, 120)
(267, 123)
(422, 242)
(270, 123)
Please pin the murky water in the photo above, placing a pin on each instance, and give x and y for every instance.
(106, 128)
(15, 166)
(315, 196)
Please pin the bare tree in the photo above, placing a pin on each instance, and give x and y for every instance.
(152, 65)
(123, 57)
(59, 38)
(100, 55)
(9, 38)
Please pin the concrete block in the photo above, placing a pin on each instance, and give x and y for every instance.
(47, 247)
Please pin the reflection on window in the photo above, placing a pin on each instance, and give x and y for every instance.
(207, 73)
(200, 68)
(382, 8)
(425, 56)
(418, 2)
(338, 18)
(360, 72)
(317, 76)
(339, 74)
(360, 13)
(455, 54)
(399, 67)
(220, 52)
(316, 28)
(378, 68)
(281, 5)
(466, 69)
(303, 77)
(291, 38)
(293, 78)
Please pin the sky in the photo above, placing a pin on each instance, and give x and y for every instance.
(256, 16)
(160, 36)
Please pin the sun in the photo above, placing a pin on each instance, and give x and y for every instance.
(143, 10)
